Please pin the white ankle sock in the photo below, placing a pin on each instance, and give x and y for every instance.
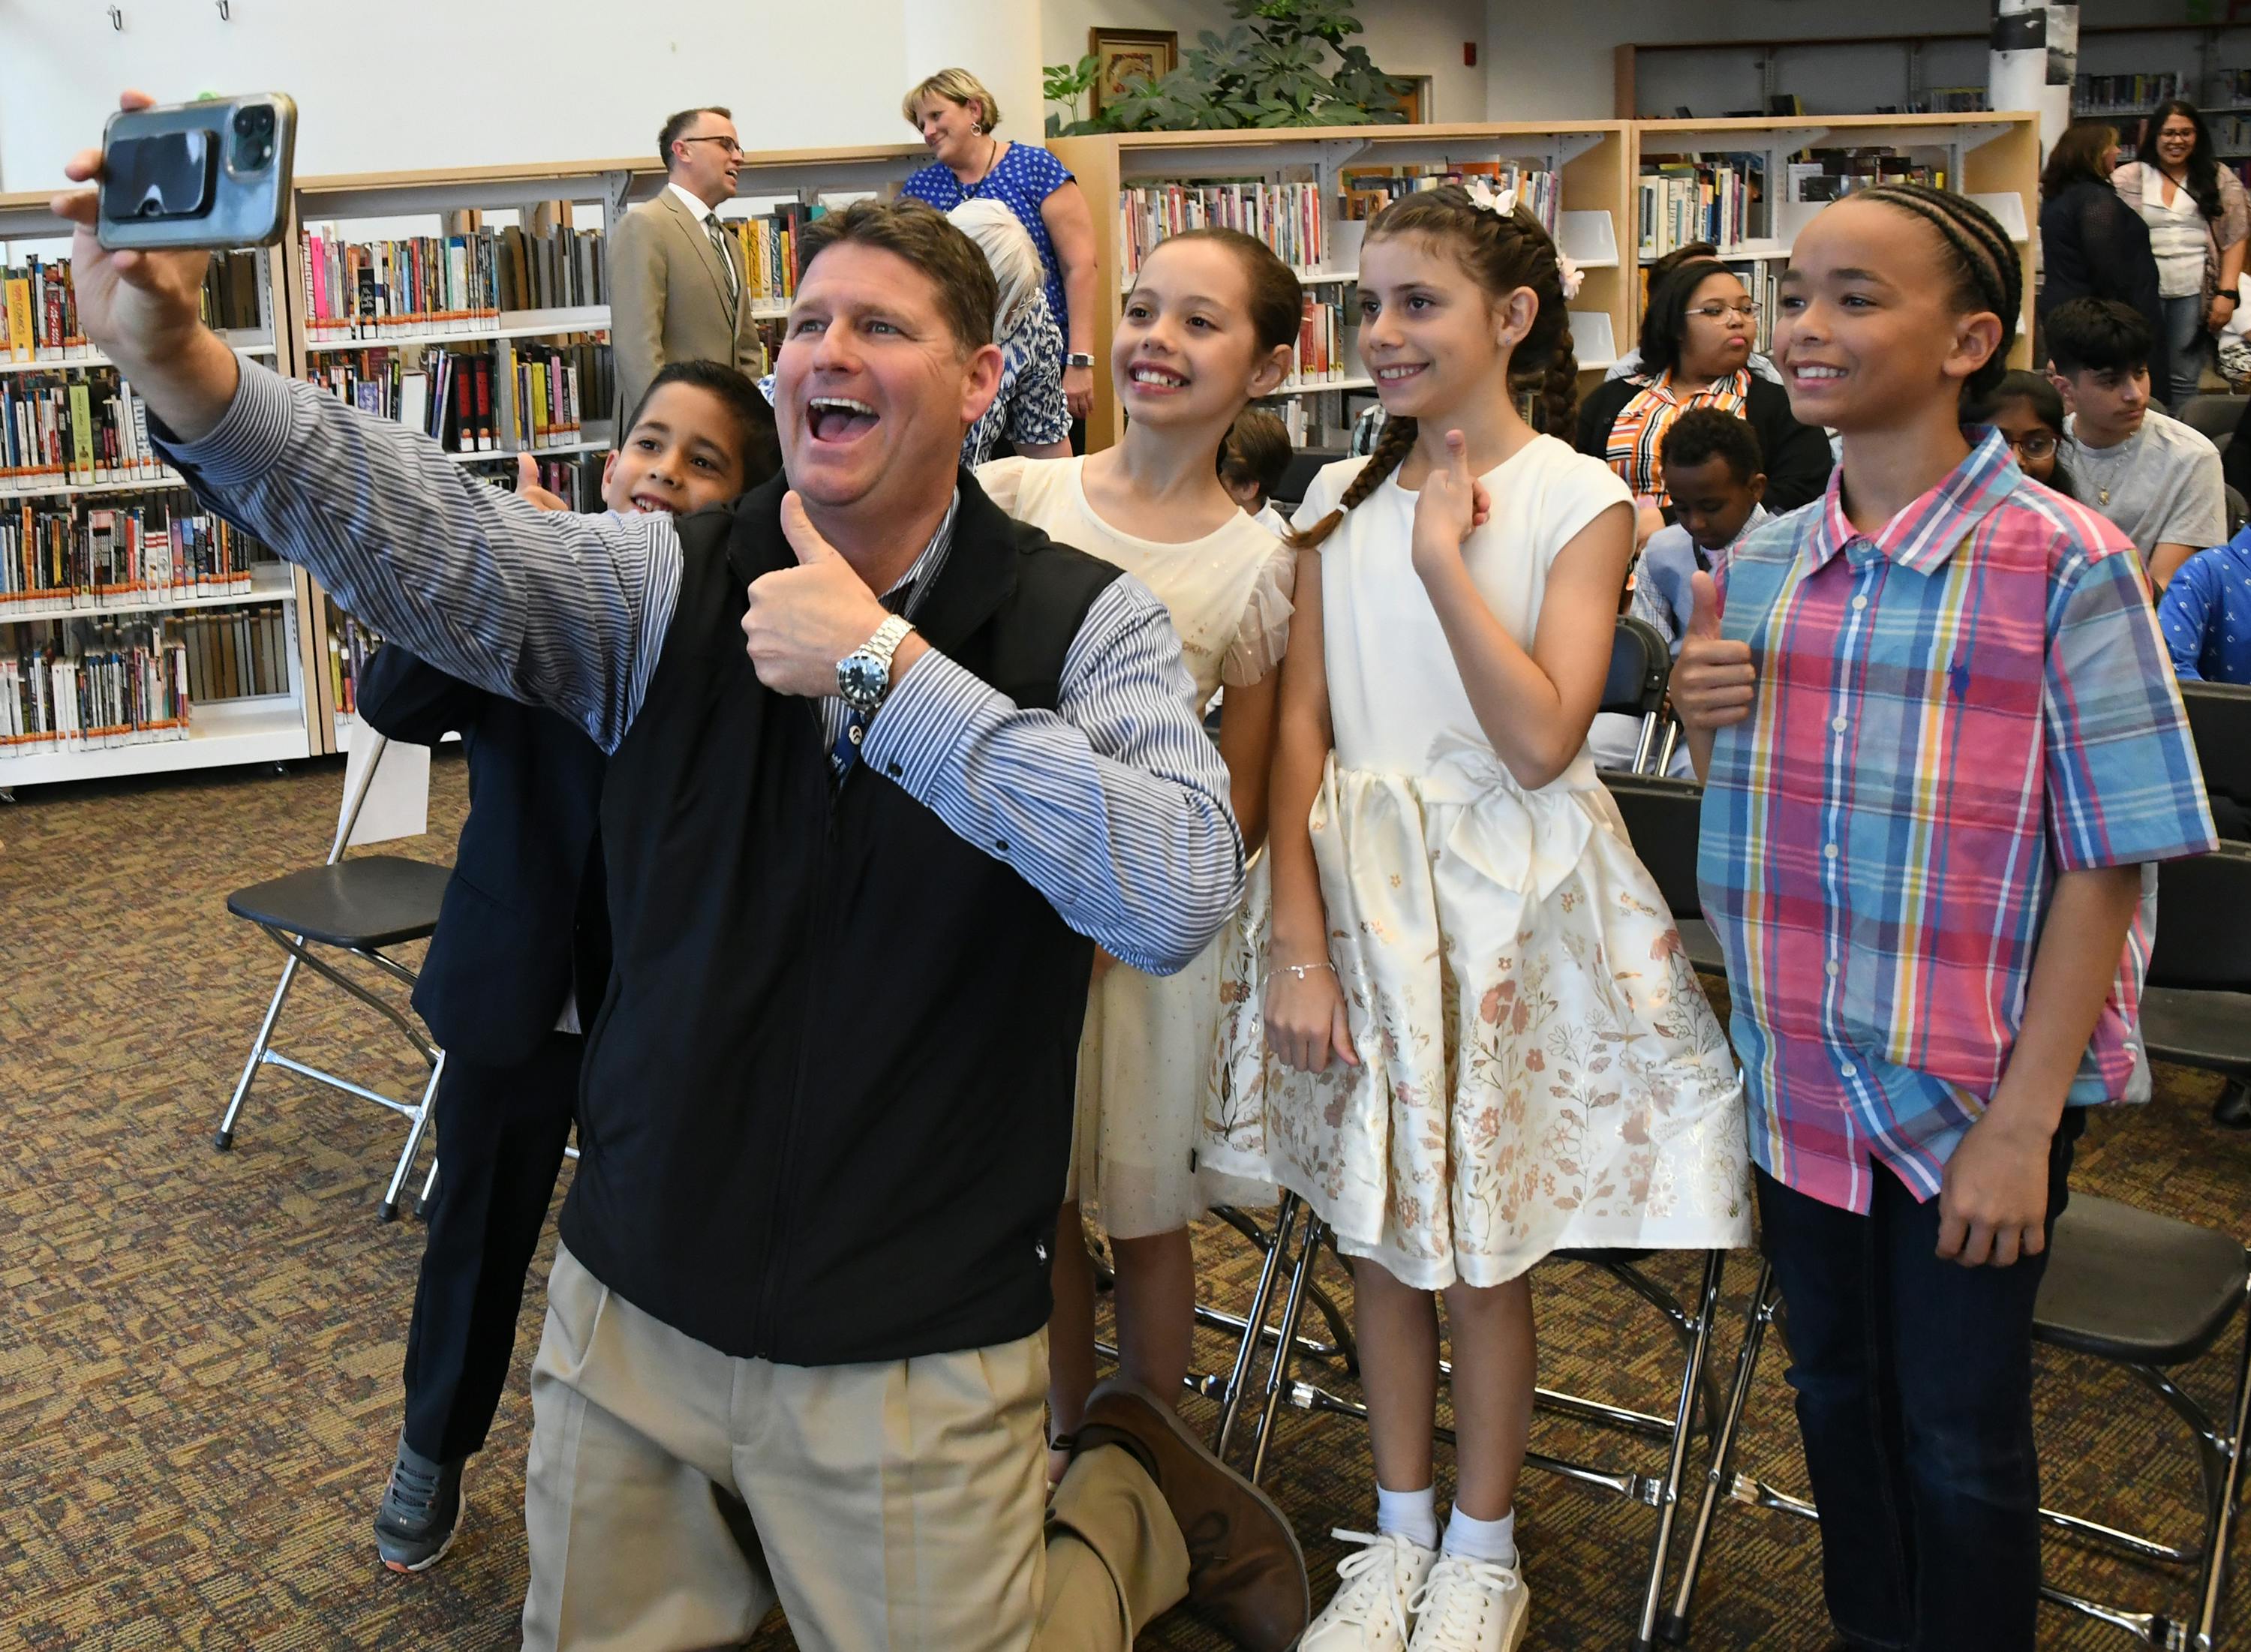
(1482, 1539)
(1413, 1515)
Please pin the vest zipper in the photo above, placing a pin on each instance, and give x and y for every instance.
(763, 1324)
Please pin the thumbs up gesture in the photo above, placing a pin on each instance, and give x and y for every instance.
(1452, 505)
(803, 620)
(527, 485)
(1712, 677)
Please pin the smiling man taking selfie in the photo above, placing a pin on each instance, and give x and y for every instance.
(885, 768)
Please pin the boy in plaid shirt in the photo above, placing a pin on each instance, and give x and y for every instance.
(1941, 750)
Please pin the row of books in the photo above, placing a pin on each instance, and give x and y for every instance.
(2231, 134)
(76, 684)
(1286, 217)
(446, 283)
(450, 395)
(38, 305)
(236, 654)
(769, 244)
(1953, 99)
(2122, 93)
(158, 548)
(72, 430)
(1761, 279)
(349, 645)
(1321, 354)
(1721, 200)
(1369, 190)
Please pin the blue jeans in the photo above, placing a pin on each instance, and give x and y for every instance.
(1913, 1380)
(2184, 344)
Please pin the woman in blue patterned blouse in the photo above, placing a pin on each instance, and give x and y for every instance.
(956, 116)
(1029, 409)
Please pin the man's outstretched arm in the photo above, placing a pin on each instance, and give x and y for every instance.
(560, 611)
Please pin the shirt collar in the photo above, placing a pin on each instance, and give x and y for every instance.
(1925, 534)
(697, 208)
(926, 567)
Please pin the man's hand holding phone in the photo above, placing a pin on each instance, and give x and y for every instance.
(143, 310)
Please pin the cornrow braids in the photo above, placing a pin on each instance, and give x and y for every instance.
(1501, 252)
(1987, 274)
(1395, 441)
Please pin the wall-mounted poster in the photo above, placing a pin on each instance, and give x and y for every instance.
(1124, 55)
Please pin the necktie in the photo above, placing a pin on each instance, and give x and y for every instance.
(719, 243)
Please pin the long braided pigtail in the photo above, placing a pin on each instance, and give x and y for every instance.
(1392, 447)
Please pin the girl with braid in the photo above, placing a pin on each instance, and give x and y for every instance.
(1941, 749)
(1462, 1027)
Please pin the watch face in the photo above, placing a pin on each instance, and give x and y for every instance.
(861, 680)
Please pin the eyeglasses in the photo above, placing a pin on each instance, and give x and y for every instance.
(2039, 445)
(732, 147)
(1748, 310)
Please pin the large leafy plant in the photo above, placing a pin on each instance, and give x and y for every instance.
(1285, 63)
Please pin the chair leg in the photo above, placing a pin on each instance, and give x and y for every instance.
(1261, 1298)
(1721, 1466)
(422, 1200)
(1676, 1467)
(388, 1211)
(1285, 1345)
(2220, 1530)
(225, 1138)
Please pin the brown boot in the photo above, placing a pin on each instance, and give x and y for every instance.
(1246, 1573)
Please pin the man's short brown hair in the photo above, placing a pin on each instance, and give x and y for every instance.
(920, 234)
(668, 134)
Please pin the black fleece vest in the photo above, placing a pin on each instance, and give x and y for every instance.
(828, 1103)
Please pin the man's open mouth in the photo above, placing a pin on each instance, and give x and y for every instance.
(839, 418)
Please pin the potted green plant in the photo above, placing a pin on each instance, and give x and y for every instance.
(1285, 63)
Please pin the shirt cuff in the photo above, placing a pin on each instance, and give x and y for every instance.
(925, 721)
(249, 439)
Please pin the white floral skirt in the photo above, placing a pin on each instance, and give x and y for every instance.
(1539, 1069)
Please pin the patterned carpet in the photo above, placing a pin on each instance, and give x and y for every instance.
(199, 1357)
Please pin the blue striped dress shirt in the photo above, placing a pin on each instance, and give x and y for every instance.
(1114, 805)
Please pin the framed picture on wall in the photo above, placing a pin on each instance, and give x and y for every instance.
(1124, 55)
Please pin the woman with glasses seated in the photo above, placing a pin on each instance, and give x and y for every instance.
(1696, 352)
(2028, 411)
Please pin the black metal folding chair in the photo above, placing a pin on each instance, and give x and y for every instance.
(1641, 665)
(360, 908)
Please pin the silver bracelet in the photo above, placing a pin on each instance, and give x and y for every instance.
(1300, 969)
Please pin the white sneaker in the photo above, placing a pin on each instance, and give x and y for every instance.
(1469, 1606)
(1371, 1610)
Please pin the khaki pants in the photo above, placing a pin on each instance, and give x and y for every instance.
(673, 1494)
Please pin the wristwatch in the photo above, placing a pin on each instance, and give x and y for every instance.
(1078, 358)
(863, 676)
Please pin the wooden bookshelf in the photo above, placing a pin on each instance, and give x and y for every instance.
(261, 729)
(1593, 159)
(1993, 157)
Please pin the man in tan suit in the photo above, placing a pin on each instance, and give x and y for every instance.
(676, 274)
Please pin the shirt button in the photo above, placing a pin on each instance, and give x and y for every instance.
(1847, 1068)
(1837, 725)
(893, 767)
(1858, 603)
(857, 733)
(1832, 967)
(1829, 851)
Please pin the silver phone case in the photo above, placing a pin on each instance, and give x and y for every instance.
(251, 210)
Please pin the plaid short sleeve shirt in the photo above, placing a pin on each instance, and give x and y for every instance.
(1948, 714)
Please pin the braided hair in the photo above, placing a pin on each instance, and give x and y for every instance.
(1981, 258)
(1502, 251)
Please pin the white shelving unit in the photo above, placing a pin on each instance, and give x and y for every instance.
(265, 728)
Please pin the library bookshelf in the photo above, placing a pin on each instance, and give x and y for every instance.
(1993, 157)
(1591, 161)
(273, 722)
(538, 198)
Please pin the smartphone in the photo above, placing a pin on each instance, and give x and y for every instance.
(213, 174)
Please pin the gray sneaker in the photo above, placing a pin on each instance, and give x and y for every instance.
(420, 1513)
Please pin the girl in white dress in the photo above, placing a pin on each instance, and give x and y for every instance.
(1208, 326)
(1472, 1038)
